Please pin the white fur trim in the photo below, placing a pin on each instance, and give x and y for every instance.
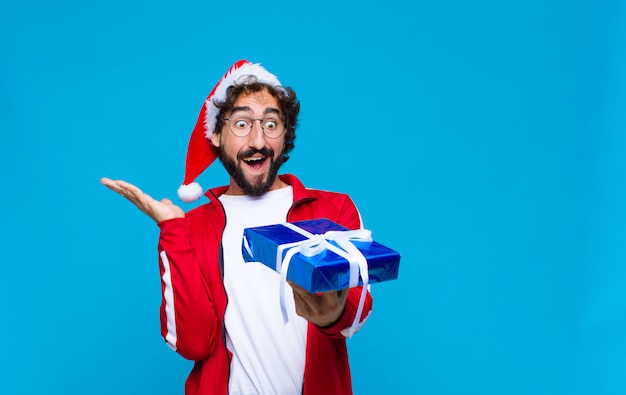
(244, 74)
(190, 192)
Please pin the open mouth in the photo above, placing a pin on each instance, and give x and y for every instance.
(255, 162)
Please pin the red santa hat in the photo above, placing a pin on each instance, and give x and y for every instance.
(200, 153)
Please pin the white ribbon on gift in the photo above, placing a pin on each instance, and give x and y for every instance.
(318, 243)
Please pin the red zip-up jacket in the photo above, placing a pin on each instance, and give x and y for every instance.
(194, 299)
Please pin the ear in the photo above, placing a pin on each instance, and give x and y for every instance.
(215, 139)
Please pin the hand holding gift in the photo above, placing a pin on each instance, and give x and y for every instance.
(322, 308)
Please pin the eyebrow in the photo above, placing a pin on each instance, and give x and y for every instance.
(269, 110)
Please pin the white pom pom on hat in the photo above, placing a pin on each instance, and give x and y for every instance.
(190, 192)
(200, 152)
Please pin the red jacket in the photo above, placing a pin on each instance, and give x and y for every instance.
(194, 299)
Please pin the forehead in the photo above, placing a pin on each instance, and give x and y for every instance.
(260, 100)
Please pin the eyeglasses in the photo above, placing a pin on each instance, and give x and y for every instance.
(242, 126)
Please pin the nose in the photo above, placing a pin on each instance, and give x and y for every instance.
(256, 138)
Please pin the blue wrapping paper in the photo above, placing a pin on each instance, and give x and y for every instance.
(326, 271)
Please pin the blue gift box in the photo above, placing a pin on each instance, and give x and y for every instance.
(325, 271)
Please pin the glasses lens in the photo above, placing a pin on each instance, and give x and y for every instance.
(272, 127)
(240, 126)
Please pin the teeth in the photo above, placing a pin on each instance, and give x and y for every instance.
(254, 159)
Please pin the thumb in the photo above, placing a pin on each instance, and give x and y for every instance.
(167, 202)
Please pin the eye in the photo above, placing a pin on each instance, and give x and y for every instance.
(241, 124)
(270, 124)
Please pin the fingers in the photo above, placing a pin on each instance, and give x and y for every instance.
(342, 293)
(322, 309)
(122, 187)
(298, 289)
(129, 191)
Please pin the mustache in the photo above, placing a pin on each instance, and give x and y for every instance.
(265, 151)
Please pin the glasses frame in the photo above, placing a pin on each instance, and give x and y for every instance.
(262, 120)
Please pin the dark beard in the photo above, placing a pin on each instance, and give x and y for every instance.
(260, 187)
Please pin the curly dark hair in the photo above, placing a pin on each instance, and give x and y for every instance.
(287, 100)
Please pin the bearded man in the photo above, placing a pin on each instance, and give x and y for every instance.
(217, 310)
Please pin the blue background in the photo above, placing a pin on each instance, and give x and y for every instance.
(483, 140)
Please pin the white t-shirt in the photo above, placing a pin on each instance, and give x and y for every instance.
(268, 356)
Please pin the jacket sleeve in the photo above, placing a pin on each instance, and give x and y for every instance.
(189, 322)
(350, 218)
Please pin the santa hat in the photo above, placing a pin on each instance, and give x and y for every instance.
(200, 153)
